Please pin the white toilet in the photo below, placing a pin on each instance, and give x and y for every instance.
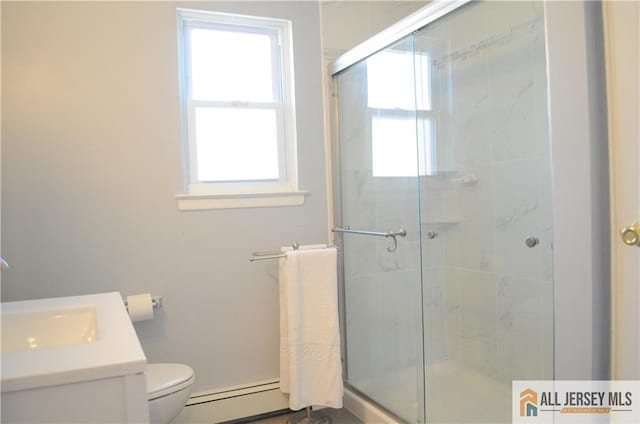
(168, 389)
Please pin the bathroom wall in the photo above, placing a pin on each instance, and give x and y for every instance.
(345, 24)
(91, 165)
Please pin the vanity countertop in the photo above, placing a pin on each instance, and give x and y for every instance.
(115, 351)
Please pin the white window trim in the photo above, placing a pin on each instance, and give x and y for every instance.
(241, 194)
(194, 202)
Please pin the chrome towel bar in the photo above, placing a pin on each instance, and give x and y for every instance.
(276, 254)
(259, 256)
(389, 234)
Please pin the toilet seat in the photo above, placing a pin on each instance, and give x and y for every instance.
(165, 379)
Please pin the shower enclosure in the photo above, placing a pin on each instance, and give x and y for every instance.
(445, 133)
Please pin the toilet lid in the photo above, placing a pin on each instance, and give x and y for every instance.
(164, 379)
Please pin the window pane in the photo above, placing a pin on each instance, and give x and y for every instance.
(396, 149)
(391, 81)
(236, 144)
(231, 66)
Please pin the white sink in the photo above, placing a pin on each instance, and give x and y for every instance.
(73, 360)
(48, 328)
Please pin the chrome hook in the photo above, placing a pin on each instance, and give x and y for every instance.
(401, 233)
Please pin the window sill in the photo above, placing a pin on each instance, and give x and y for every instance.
(198, 202)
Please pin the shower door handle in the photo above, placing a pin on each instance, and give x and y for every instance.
(531, 241)
(389, 234)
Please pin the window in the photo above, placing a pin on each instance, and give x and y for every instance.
(238, 109)
(401, 116)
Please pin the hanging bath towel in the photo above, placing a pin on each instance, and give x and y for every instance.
(284, 312)
(284, 323)
(310, 366)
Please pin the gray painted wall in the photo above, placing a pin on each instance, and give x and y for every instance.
(91, 165)
(345, 24)
(581, 244)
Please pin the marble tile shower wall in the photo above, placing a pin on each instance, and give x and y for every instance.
(488, 298)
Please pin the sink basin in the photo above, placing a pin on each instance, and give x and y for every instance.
(48, 328)
(70, 360)
(62, 340)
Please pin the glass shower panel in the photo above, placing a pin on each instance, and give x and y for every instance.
(380, 192)
(488, 294)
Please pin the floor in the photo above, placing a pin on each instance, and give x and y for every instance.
(338, 416)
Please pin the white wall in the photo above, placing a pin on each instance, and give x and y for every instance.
(91, 165)
(345, 24)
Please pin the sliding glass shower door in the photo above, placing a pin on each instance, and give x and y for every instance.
(445, 134)
(486, 210)
(380, 192)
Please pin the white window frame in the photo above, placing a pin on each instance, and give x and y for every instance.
(246, 193)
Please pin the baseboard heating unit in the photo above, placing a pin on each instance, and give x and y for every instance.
(233, 403)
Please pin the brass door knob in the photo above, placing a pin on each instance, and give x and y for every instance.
(631, 235)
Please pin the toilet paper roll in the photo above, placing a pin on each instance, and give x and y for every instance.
(140, 307)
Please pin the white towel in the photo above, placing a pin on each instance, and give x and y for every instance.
(284, 324)
(284, 329)
(311, 370)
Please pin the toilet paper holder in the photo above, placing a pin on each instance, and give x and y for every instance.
(156, 302)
